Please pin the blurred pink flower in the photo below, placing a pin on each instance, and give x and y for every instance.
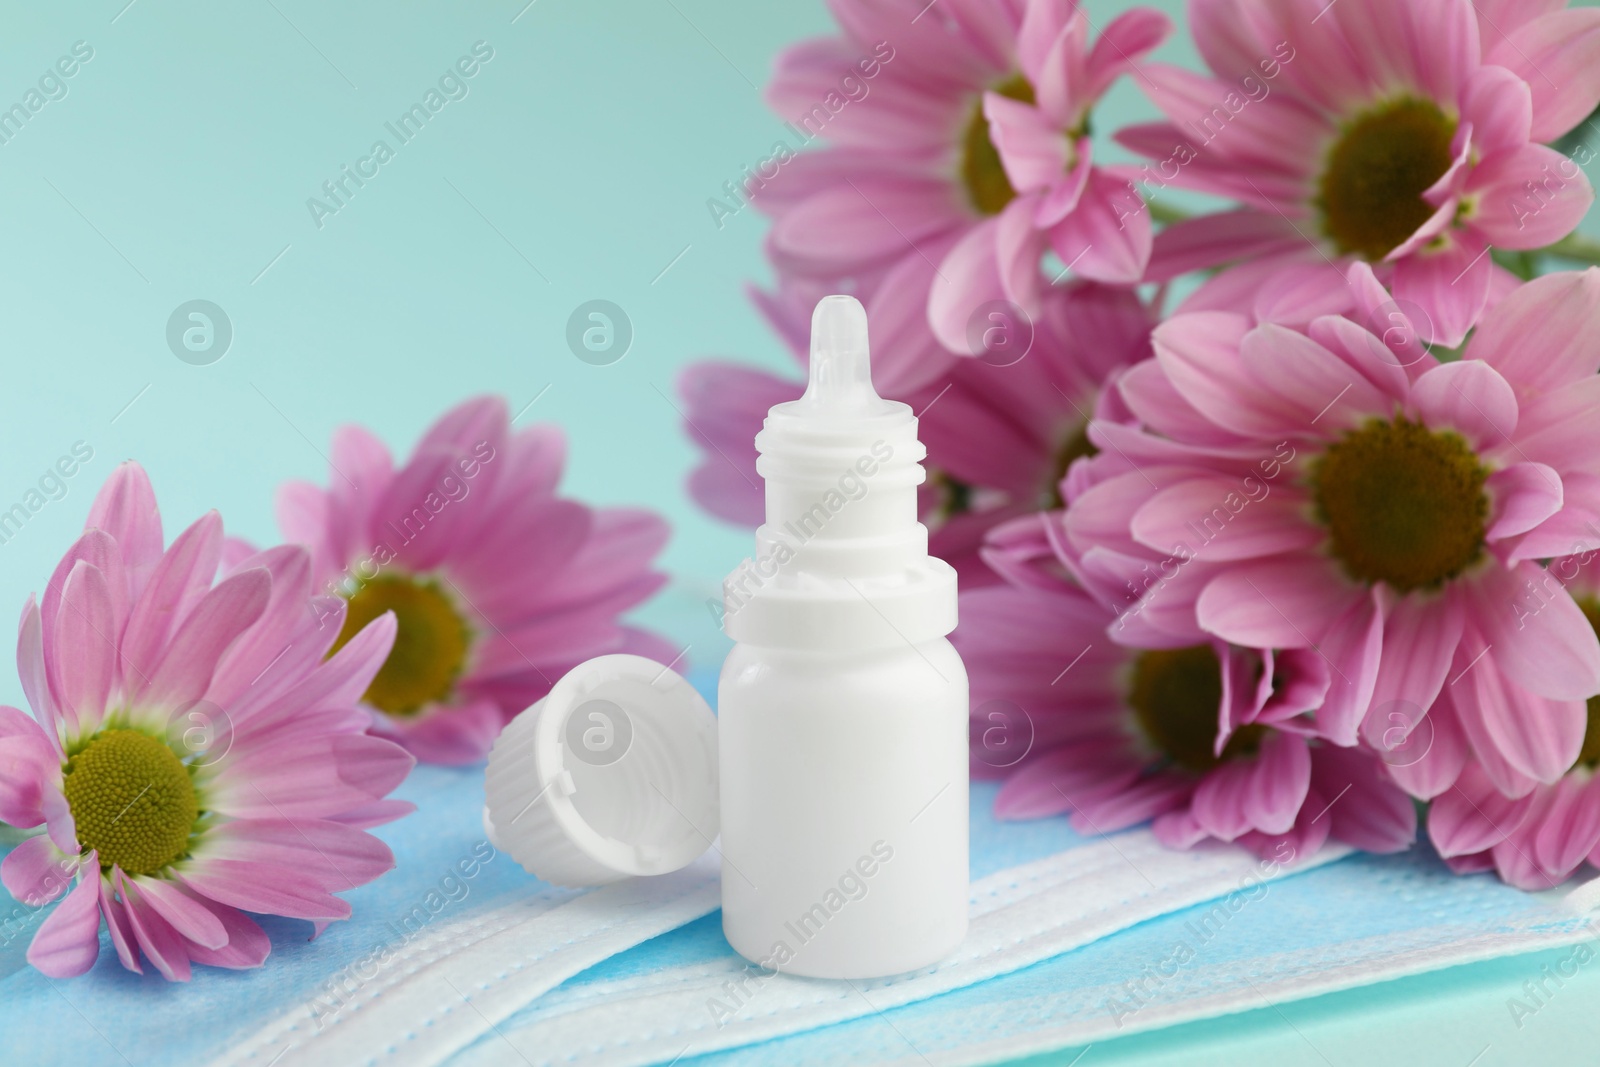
(197, 753)
(1404, 135)
(498, 585)
(967, 160)
(1000, 438)
(1324, 490)
(1207, 739)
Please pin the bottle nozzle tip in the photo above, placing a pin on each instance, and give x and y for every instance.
(841, 364)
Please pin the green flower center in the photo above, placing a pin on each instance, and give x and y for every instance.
(1402, 504)
(132, 800)
(981, 170)
(430, 644)
(1176, 696)
(1371, 191)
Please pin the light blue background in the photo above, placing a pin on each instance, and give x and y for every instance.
(178, 167)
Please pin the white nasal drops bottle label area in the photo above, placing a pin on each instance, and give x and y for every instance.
(842, 709)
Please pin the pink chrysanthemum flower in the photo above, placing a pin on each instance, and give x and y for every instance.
(1405, 135)
(197, 752)
(1207, 739)
(1325, 490)
(1540, 838)
(498, 585)
(1000, 438)
(965, 158)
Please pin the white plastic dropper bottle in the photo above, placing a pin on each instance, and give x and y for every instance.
(842, 709)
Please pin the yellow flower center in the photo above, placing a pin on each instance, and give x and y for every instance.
(1370, 195)
(981, 170)
(1402, 504)
(132, 800)
(430, 644)
(1176, 696)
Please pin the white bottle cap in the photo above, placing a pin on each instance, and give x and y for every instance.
(612, 774)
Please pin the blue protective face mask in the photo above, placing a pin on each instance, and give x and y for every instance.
(481, 964)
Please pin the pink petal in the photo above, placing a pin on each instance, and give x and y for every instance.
(99, 550)
(309, 776)
(1525, 495)
(29, 768)
(1298, 293)
(1326, 390)
(1550, 649)
(1211, 240)
(1367, 810)
(1179, 829)
(375, 813)
(360, 468)
(244, 662)
(1546, 334)
(265, 888)
(1572, 530)
(415, 512)
(1496, 18)
(187, 917)
(181, 577)
(1051, 49)
(1262, 793)
(1451, 282)
(85, 648)
(1200, 354)
(1535, 735)
(477, 420)
(59, 823)
(1285, 602)
(247, 945)
(984, 266)
(900, 114)
(222, 615)
(1124, 41)
(337, 856)
(1107, 237)
(1424, 757)
(1558, 55)
(32, 671)
(1472, 815)
(36, 872)
(1514, 857)
(1571, 827)
(345, 676)
(304, 517)
(1225, 520)
(1065, 780)
(1528, 197)
(866, 220)
(1031, 147)
(120, 928)
(68, 941)
(1469, 396)
(906, 355)
(161, 944)
(1420, 635)
(1063, 194)
(1500, 107)
(1389, 361)
(1352, 649)
(126, 509)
